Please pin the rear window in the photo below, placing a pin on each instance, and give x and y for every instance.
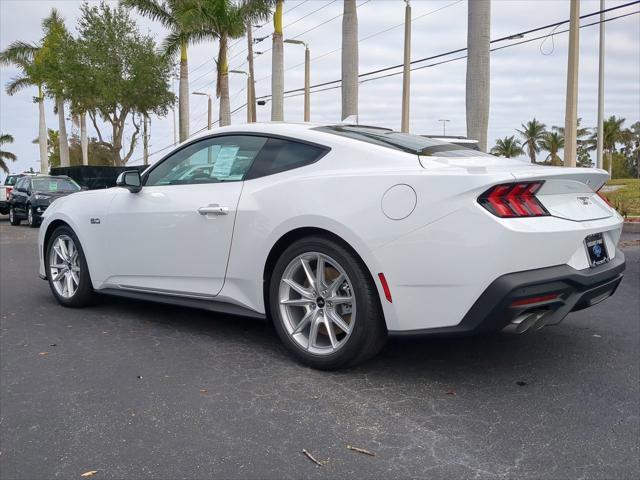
(405, 142)
(11, 180)
(279, 155)
(53, 184)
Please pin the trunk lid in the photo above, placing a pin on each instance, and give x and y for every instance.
(568, 193)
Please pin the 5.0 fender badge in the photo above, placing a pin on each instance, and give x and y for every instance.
(95, 221)
(584, 200)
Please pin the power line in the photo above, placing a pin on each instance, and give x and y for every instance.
(459, 50)
(367, 37)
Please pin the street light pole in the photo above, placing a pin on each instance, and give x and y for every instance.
(250, 97)
(444, 126)
(571, 111)
(600, 146)
(209, 109)
(406, 71)
(307, 77)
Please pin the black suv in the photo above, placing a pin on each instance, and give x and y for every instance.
(31, 195)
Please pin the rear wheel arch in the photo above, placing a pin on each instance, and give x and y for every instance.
(287, 239)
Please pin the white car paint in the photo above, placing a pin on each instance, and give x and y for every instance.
(438, 253)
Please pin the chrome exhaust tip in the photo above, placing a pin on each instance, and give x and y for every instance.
(529, 320)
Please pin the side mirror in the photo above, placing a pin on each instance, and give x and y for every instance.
(130, 180)
(22, 189)
(84, 188)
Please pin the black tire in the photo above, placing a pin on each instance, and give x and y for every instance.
(31, 217)
(84, 294)
(369, 331)
(15, 221)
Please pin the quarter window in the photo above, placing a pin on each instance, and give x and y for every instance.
(217, 159)
(279, 155)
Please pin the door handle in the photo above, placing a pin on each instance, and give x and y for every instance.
(213, 209)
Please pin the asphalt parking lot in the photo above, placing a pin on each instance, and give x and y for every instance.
(138, 390)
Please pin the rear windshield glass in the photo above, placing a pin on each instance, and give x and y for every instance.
(11, 180)
(401, 141)
(53, 184)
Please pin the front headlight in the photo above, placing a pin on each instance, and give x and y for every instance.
(40, 196)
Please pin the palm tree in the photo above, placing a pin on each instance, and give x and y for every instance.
(349, 59)
(224, 20)
(4, 139)
(553, 142)
(613, 133)
(532, 133)
(56, 39)
(277, 66)
(507, 147)
(175, 16)
(25, 57)
(478, 78)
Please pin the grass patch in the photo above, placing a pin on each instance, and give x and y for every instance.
(626, 199)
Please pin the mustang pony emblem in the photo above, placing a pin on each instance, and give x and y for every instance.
(584, 200)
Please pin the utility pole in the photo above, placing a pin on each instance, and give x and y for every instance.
(600, 147)
(406, 71)
(251, 112)
(571, 112)
(175, 125)
(250, 108)
(307, 77)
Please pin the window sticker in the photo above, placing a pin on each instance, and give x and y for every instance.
(224, 162)
(53, 186)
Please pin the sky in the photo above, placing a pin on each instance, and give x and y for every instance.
(527, 80)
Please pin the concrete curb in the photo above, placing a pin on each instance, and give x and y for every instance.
(631, 227)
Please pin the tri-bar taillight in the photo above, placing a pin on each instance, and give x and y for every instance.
(513, 200)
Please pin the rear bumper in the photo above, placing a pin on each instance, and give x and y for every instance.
(576, 289)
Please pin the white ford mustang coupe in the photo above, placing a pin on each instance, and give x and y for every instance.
(341, 235)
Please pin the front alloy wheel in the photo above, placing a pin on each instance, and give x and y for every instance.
(66, 269)
(317, 303)
(31, 220)
(64, 266)
(13, 220)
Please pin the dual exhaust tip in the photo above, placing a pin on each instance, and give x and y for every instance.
(529, 320)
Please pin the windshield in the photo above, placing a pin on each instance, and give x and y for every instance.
(405, 142)
(53, 184)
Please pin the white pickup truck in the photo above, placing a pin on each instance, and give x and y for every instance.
(5, 191)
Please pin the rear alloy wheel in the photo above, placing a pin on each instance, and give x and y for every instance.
(13, 220)
(67, 270)
(325, 306)
(31, 219)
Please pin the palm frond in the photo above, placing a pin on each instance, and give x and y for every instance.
(154, 10)
(6, 138)
(7, 155)
(19, 53)
(17, 84)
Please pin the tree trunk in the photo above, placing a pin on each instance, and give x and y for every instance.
(145, 140)
(478, 71)
(183, 96)
(277, 67)
(42, 134)
(62, 134)
(223, 84)
(84, 139)
(349, 59)
(252, 83)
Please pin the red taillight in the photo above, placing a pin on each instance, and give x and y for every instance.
(532, 300)
(7, 192)
(510, 200)
(605, 199)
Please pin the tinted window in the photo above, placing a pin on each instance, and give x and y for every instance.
(218, 159)
(279, 155)
(11, 180)
(401, 141)
(54, 184)
(21, 183)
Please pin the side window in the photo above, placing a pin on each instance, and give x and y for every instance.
(218, 159)
(279, 155)
(21, 183)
